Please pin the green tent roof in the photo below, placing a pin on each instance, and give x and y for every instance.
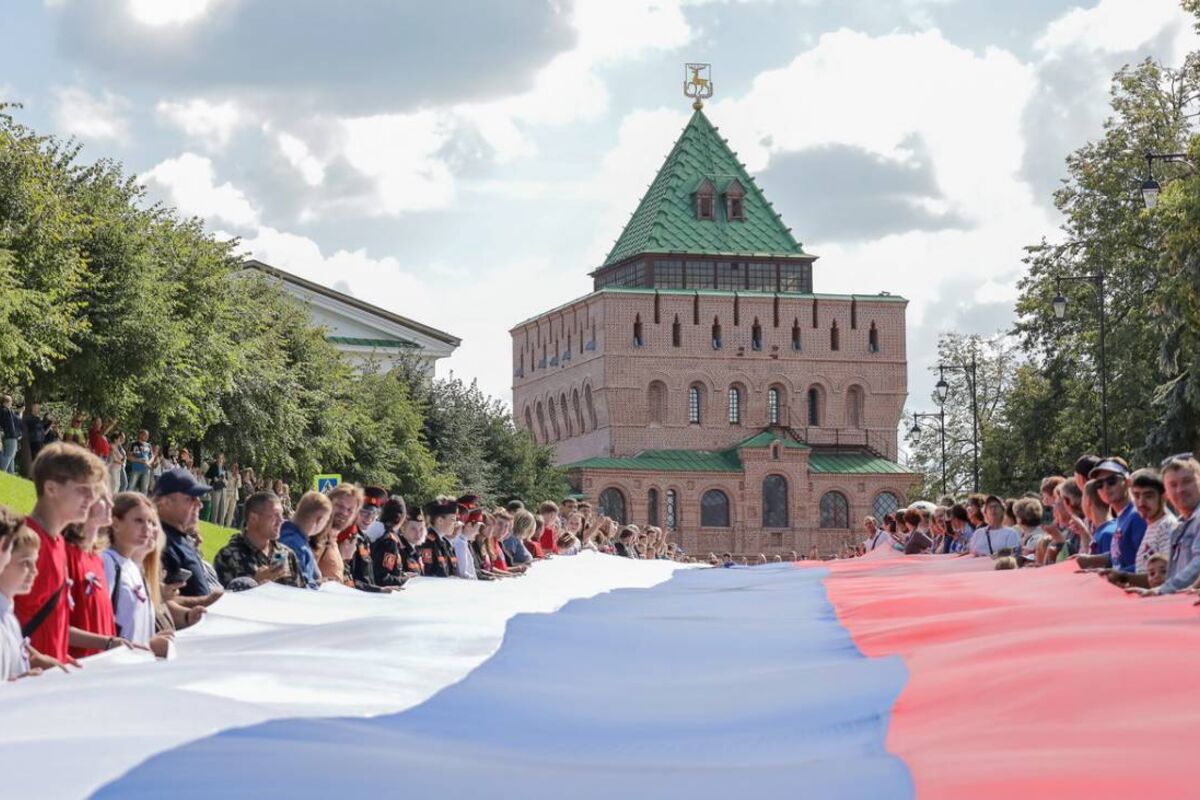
(665, 221)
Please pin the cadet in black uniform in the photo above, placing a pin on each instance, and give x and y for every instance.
(386, 553)
(437, 554)
(413, 534)
(360, 571)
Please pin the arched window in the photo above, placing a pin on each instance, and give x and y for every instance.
(705, 196)
(714, 509)
(833, 336)
(735, 405)
(885, 503)
(676, 333)
(554, 420)
(591, 408)
(854, 407)
(814, 406)
(796, 334)
(773, 406)
(672, 510)
(566, 416)
(578, 410)
(656, 402)
(756, 335)
(612, 504)
(835, 511)
(529, 423)
(716, 334)
(695, 403)
(652, 507)
(541, 418)
(873, 339)
(638, 341)
(775, 502)
(735, 206)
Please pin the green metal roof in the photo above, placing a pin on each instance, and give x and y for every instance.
(852, 464)
(665, 221)
(766, 438)
(361, 342)
(728, 460)
(669, 461)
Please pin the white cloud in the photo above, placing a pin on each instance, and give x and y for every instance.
(1116, 26)
(401, 153)
(299, 156)
(189, 183)
(78, 113)
(160, 13)
(211, 123)
(569, 88)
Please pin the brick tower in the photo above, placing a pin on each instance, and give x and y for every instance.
(703, 387)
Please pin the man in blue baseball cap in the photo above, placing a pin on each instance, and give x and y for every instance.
(177, 498)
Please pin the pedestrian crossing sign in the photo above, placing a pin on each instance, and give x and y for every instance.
(324, 483)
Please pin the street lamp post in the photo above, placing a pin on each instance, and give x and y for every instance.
(943, 390)
(1060, 309)
(941, 418)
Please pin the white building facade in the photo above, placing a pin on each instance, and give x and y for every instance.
(369, 336)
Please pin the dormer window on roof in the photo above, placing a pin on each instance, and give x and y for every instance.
(735, 201)
(706, 195)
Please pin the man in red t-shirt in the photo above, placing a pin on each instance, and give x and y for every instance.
(548, 511)
(66, 478)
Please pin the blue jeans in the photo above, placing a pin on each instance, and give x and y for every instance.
(139, 481)
(8, 458)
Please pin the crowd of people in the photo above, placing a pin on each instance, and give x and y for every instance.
(91, 569)
(1137, 528)
(132, 465)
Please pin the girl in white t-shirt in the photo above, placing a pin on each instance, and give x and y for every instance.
(132, 567)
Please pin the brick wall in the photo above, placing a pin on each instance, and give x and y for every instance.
(746, 534)
(619, 374)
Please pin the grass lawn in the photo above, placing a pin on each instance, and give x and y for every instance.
(17, 493)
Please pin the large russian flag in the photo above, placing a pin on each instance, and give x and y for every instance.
(598, 677)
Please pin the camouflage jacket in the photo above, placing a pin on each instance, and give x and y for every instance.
(239, 559)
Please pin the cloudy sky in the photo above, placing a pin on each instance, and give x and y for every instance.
(468, 162)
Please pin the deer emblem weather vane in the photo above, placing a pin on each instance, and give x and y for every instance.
(697, 83)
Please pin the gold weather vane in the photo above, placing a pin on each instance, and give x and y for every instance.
(697, 83)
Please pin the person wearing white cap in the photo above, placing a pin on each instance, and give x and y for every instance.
(1113, 475)
(994, 536)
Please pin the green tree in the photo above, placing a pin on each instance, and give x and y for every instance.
(996, 359)
(44, 266)
(1105, 229)
(388, 447)
(1176, 302)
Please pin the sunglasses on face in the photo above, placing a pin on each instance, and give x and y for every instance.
(1112, 480)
